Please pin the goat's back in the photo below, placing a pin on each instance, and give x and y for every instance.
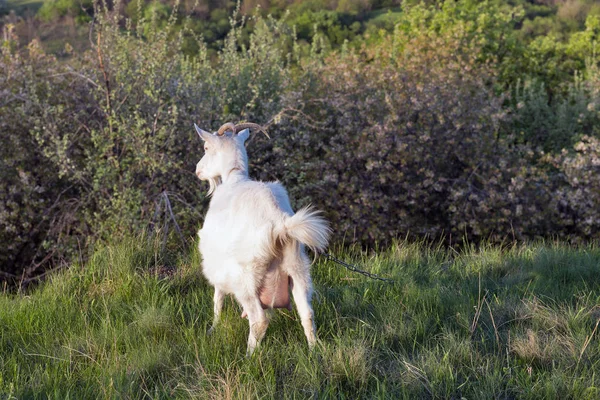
(244, 221)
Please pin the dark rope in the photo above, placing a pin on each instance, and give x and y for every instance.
(353, 268)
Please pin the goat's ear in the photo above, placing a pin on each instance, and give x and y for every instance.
(206, 136)
(244, 135)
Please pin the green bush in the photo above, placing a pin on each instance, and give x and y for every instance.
(120, 133)
(413, 139)
(578, 192)
(408, 123)
(54, 9)
(37, 198)
(554, 124)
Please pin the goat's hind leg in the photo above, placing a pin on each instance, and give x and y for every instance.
(218, 298)
(297, 265)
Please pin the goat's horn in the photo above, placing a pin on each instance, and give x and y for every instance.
(244, 125)
(229, 126)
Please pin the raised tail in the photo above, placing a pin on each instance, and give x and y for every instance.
(308, 227)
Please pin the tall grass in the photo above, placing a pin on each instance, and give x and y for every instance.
(489, 322)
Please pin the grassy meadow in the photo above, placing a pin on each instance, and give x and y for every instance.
(490, 322)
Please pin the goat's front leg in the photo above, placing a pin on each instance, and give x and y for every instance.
(257, 320)
(218, 306)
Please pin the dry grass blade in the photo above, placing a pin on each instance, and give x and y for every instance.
(587, 341)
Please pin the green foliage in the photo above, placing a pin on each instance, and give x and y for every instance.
(558, 123)
(555, 62)
(580, 192)
(488, 26)
(381, 20)
(335, 26)
(54, 9)
(36, 197)
(488, 322)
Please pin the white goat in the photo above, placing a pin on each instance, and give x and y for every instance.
(252, 243)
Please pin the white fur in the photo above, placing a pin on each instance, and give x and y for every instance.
(250, 229)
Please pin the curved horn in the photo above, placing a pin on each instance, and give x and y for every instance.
(228, 126)
(250, 125)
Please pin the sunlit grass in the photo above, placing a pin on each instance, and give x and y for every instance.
(487, 322)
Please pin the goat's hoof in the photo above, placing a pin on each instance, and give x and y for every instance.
(251, 350)
(312, 341)
(315, 344)
(210, 331)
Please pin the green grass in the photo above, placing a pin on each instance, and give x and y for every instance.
(485, 323)
(21, 5)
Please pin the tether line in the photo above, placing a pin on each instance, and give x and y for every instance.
(354, 268)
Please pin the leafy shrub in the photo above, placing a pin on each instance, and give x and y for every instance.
(554, 124)
(403, 126)
(120, 133)
(578, 192)
(414, 140)
(36, 197)
(330, 24)
(54, 9)
(409, 133)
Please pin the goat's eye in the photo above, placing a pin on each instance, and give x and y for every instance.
(205, 148)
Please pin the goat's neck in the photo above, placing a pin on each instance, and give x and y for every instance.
(234, 175)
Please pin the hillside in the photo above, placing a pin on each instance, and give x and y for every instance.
(338, 20)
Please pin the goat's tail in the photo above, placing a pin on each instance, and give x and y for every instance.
(308, 227)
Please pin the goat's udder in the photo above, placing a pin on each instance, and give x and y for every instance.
(275, 291)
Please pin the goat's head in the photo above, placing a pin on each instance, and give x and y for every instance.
(224, 152)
